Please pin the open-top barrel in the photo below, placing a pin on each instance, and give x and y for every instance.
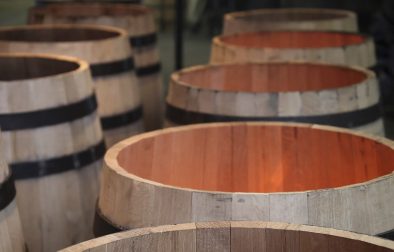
(235, 236)
(111, 63)
(138, 21)
(318, 93)
(309, 19)
(296, 173)
(53, 144)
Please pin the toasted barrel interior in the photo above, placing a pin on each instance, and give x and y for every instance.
(293, 39)
(21, 68)
(275, 77)
(290, 16)
(56, 34)
(256, 158)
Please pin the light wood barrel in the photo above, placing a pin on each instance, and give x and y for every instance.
(290, 19)
(278, 91)
(11, 235)
(329, 47)
(302, 174)
(138, 21)
(106, 50)
(235, 236)
(53, 144)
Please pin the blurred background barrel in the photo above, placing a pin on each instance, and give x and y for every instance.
(111, 63)
(303, 174)
(138, 21)
(235, 236)
(279, 91)
(329, 47)
(11, 236)
(53, 145)
(290, 19)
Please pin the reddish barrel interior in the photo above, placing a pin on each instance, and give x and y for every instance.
(289, 16)
(260, 158)
(293, 39)
(274, 77)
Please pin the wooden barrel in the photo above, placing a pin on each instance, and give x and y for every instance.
(111, 63)
(329, 47)
(290, 19)
(53, 144)
(303, 174)
(235, 236)
(41, 2)
(138, 21)
(278, 91)
(11, 236)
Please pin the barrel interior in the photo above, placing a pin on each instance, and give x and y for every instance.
(274, 77)
(289, 16)
(21, 68)
(293, 39)
(259, 158)
(56, 34)
(85, 10)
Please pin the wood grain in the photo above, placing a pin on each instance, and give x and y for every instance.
(138, 21)
(56, 210)
(310, 174)
(275, 89)
(317, 46)
(235, 236)
(116, 93)
(290, 19)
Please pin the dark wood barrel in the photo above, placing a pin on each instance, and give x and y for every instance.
(138, 21)
(329, 47)
(111, 63)
(237, 236)
(286, 172)
(53, 144)
(277, 91)
(11, 235)
(309, 19)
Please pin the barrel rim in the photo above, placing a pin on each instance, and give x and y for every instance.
(343, 14)
(119, 33)
(111, 161)
(94, 243)
(109, 9)
(218, 40)
(175, 77)
(83, 66)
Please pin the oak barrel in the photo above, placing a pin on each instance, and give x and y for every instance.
(286, 172)
(290, 19)
(138, 21)
(318, 93)
(11, 235)
(111, 62)
(235, 236)
(330, 47)
(53, 144)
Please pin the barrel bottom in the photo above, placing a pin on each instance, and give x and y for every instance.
(58, 210)
(115, 135)
(11, 236)
(153, 101)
